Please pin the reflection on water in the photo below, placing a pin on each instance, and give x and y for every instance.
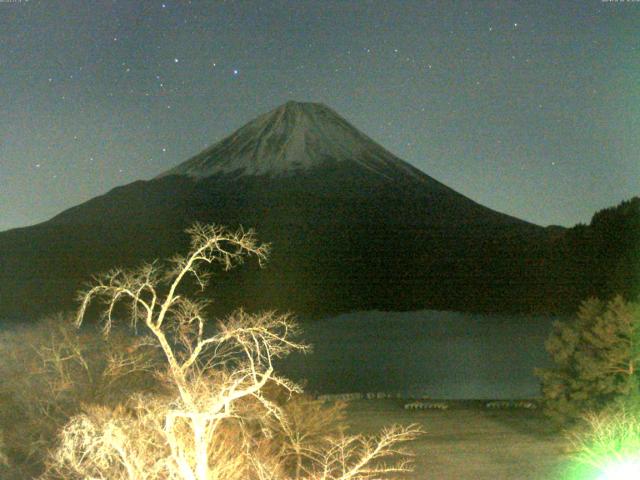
(426, 353)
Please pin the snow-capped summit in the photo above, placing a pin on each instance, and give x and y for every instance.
(295, 136)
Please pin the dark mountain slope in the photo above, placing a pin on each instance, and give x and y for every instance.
(352, 227)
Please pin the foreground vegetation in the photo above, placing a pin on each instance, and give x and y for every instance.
(593, 391)
(179, 400)
(165, 394)
(596, 356)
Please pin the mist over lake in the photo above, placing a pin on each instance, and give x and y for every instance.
(437, 354)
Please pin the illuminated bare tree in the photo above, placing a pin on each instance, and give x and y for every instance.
(355, 457)
(208, 428)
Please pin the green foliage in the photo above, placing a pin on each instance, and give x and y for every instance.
(596, 360)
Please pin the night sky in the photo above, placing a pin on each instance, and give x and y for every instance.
(531, 108)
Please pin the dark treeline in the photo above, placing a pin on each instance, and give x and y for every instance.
(601, 259)
(332, 252)
(553, 273)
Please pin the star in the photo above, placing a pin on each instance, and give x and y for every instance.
(175, 60)
(235, 71)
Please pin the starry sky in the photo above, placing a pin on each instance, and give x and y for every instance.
(531, 108)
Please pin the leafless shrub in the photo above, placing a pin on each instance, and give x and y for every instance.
(49, 370)
(359, 457)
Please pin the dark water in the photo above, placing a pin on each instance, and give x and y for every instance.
(426, 353)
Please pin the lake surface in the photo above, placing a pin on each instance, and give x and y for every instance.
(445, 355)
(433, 354)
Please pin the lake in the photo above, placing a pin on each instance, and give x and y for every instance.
(434, 354)
(446, 355)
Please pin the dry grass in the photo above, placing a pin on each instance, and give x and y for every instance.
(4, 460)
(470, 442)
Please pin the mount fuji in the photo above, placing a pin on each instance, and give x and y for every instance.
(352, 227)
(290, 139)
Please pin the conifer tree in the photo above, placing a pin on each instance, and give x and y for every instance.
(596, 357)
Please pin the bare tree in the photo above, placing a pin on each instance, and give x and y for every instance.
(50, 370)
(359, 457)
(219, 422)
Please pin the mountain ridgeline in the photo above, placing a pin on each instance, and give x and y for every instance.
(352, 227)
